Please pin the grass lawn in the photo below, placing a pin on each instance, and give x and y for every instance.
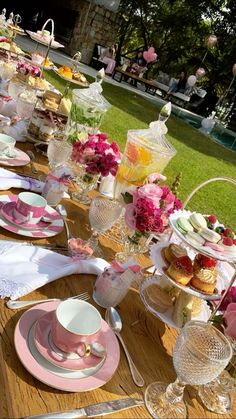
(198, 157)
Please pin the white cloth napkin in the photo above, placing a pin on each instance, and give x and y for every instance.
(25, 268)
(10, 179)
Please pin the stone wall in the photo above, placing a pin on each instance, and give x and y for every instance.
(95, 24)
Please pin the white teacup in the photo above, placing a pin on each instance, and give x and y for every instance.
(7, 145)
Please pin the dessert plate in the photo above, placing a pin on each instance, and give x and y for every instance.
(80, 83)
(223, 276)
(202, 249)
(21, 159)
(7, 211)
(55, 227)
(166, 317)
(46, 347)
(56, 377)
(36, 37)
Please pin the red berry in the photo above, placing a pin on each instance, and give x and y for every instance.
(228, 241)
(234, 241)
(184, 262)
(212, 218)
(205, 261)
(227, 232)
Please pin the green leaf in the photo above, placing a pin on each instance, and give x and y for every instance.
(128, 198)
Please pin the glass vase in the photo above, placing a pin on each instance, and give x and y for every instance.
(85, 182)
(134, 243)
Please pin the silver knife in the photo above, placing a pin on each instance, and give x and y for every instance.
(99, 409)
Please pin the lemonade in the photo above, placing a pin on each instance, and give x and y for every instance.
(145, 153)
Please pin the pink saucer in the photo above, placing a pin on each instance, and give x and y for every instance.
(44, 344)
(7, 212)
(21, 159)
(38, 368)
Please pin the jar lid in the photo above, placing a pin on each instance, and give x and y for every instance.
(92, 96)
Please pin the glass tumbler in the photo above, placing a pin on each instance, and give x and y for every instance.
(58, 152)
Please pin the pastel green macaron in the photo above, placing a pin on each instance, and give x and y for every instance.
(183, 225)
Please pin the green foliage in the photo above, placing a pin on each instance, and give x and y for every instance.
(178, 29)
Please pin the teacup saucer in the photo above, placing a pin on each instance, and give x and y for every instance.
(21, 159)
(49, 230)
(7, 211)
(46, 372)
(10, 155)
(48, 349)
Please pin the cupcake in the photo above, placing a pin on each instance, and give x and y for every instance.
(181, 270)
(204, 274)
(173, 251)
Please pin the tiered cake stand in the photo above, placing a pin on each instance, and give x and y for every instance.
(226, 270)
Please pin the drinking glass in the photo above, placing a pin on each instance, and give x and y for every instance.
(58, 152)
(103, 213)
(200, 354)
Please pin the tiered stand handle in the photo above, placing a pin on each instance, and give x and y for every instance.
(51, 37)
(216, 179)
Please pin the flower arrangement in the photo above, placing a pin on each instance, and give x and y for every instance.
(97, 155)
(149, 206)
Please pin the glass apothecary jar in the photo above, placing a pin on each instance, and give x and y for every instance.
(87, 110)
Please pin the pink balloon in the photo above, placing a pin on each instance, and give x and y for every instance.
(145, 55)
(151, 49)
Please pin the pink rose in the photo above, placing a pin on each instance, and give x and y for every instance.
(152, 192)
(155, 176)
(230, 319)
(130, 216)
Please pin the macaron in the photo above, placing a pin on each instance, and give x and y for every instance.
(210, 235)
(198, 221)
(228, 250)
(183, 225)
(194, 238)
(214, 246)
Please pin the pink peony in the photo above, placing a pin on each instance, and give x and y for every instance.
(152, 192)
(155, 176)
(230, 319)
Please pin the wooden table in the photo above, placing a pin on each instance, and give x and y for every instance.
(149, 341)
(149, 86)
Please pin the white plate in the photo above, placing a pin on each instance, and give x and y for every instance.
(36, 37)
(203, 249)
(223, 277)
(166, 317)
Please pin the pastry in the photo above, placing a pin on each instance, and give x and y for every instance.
(35, 123)
(210, 235)
(204, 280)
(181, 270)
(194, 238)
(214, 246)
(198, 221)
(65, 106)
(204, 277)
(46, 131)
(158, 298)
(183, 225)
(185, 308)
(37, 58)
(173, 251)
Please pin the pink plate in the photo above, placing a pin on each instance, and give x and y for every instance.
(44, 344)
(7, 212)
(21, 159)
(55, 376)
(51, 229)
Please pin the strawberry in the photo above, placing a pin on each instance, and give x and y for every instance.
(184, 262)
(234, 241)
(212, 218)
(227, 232)
(228, 241)
(205, 261)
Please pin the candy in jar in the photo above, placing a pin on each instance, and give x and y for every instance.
(113, 283)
